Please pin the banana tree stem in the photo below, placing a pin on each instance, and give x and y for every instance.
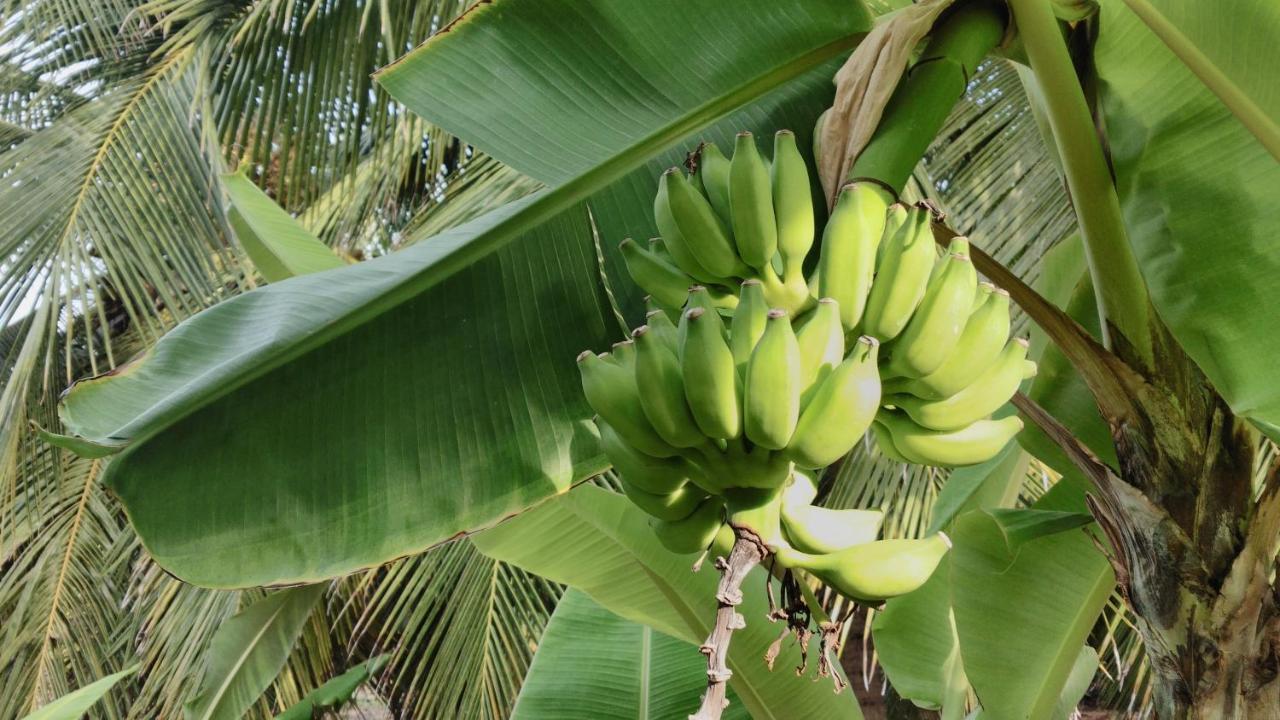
(1122, 294)
(928, 91)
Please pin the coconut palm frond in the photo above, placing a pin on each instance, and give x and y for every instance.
(63, 625)
(461, 629)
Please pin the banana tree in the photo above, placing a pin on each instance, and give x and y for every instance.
(220, 451)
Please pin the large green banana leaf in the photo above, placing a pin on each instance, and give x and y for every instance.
(593, 665)
(1231, 49)
(1023, 611)
(1198, 189)
(599, 542)
(451, 363)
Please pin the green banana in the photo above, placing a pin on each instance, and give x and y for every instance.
(792, 203)
(698, 297)
(710, 379)
(713, 168)
(662, 328)
(748, 324)
(935, 328)
(675, 505)
(610, 388)
(973, 444)
(771, 396)
(652, 475)
(1029, 369)
(847, 262)
(672, 237)
(624, 354)
(658, 372)
(875, 571)
(893, 222)
(985, 333)
(800, 490)
(841, 411)
(659, 249)
(821, 530)
(755, 229)
(885, 441)
(901, 277)
(983, 397)
(665, 283)
(694, 533)
(821, 341)
(758, 510)
(817, 132)
(703, 231)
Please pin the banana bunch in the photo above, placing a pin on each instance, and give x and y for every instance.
(731, 220)
(711, 416)
(747, 374)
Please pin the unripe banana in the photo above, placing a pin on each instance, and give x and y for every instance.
(748, 324)
(664, 282)
(710, 379)
(623, 353)
(885, 442)
(771, 395)
(652, 475)
(792, 202)
(661, 327)
(973, 444)
(760, 511)
(817, 132)
(985, 333)
(847, 263)
(841, 410)
(821, 530)
(672, 237)
(713, 168)
(659, 249)
(675, 505)
(936, 326)
(893, 222)
(755, 229)
(800, 490)
(984, 396)
(901, 277)
(789, 292)
(610, 388)
(663, 400)
(703, 231)
(1029, 368)
(698, 297)
(694, 533)
(875, 571)
(821, 341)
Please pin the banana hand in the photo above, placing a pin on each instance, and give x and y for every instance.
(970, 445)
(876, 571)
(981, 398)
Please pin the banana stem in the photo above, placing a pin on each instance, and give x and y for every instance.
(925, 95)
(748, 551)
(1122, 294)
